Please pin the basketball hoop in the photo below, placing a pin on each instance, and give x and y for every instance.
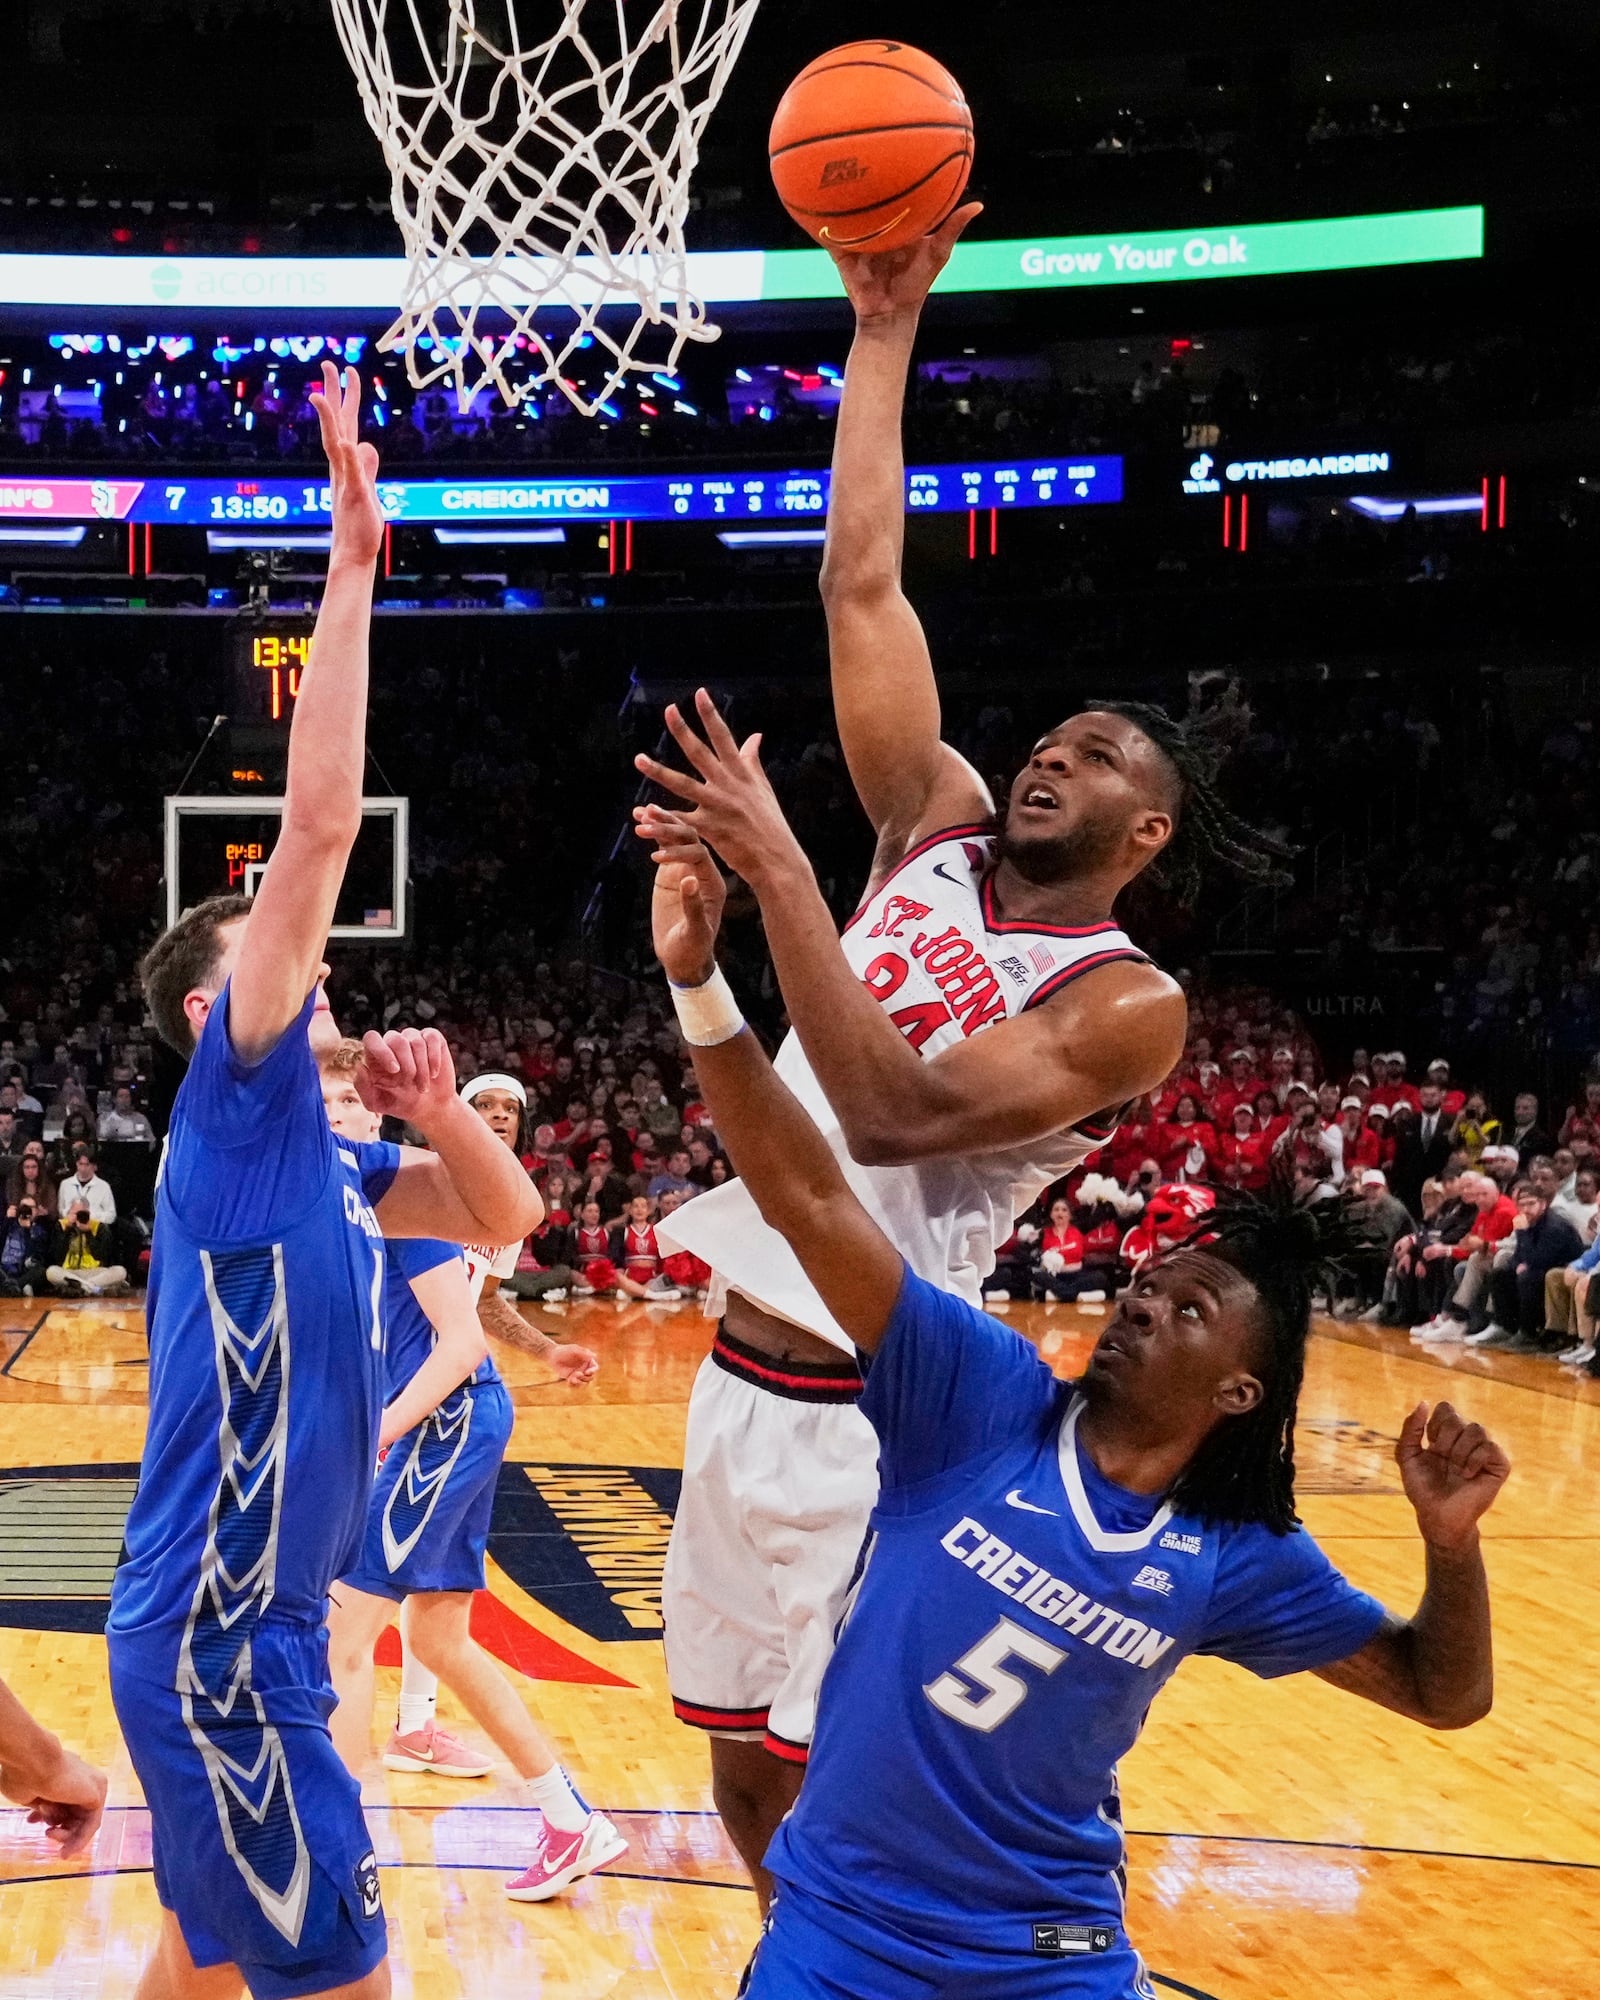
(532, 177)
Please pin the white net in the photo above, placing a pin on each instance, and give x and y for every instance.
(542, 177)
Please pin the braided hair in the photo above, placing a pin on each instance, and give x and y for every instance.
(1244, 1470)
(1206, 831)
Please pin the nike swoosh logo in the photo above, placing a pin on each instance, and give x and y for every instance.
(1015, 1499)
(939, 869)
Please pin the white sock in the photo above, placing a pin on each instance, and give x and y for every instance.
(419, 1693)
(556, 1799)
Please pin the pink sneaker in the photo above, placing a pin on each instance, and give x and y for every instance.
(561, 1858)
(436, 1750)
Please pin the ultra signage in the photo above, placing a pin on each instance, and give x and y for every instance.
(253, 286)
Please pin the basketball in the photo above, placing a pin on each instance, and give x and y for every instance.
(871, 146)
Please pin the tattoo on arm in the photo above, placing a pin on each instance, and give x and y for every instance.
(499, 1318)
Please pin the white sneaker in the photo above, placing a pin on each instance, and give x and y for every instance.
(583, 1291)
(1444, 1332)
(662, 1288)
(997, 1298)
(1371, 1315)
(1091, 1298)
(1427, 1326)
(1578, 1357)
(555, 1297)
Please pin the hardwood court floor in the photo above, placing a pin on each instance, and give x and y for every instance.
(1287, 1841)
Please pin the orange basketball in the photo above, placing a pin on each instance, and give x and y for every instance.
(871, 146)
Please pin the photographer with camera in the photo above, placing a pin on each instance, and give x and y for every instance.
(24, 1241)
(81, 1256)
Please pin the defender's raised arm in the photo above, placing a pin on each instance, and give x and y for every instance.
(293, 909)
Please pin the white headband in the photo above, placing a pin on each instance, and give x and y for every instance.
(494, 1079)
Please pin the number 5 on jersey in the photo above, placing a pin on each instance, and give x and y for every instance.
(983, 1665)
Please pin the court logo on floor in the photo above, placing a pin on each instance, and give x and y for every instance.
(60, 1543)
(588, 1541)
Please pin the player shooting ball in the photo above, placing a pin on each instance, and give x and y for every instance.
(1043, 1555)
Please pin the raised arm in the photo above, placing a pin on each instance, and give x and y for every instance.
(775, 1148)
(884, 697)
(1104, 1040)
(293, 909)
(470, 1188)
(1438, 1667)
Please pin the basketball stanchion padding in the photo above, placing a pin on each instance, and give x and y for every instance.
(541, 167)
(871, 146)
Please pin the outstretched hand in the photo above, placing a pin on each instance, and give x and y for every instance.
(733, 806)
(1452, 1473)
(352, 466)
(573, 1365)
(686, 906)
(408, 1073)
(887, 284)
(67, 1798)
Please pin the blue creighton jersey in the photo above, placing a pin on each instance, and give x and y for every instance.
(411, 1334)
(266, 1379)
(1017, 1616)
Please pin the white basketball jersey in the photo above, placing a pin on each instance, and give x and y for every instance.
(484, 1261)
(930, 947)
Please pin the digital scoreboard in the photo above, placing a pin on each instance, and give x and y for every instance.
(515, 499)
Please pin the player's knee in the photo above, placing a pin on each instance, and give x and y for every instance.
(750, 1801)
(438, 1644)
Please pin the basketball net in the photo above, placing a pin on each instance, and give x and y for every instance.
(544, 177)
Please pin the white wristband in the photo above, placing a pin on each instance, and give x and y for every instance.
(708, 1014)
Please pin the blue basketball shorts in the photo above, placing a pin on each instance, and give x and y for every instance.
(260, 1848)
(428, 1520)
(817, 1950)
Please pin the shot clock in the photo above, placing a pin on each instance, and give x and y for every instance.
(266, 656)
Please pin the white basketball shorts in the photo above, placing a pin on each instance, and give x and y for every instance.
(780, 1475)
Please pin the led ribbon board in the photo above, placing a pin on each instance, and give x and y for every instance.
(700, 496)
(257, 285)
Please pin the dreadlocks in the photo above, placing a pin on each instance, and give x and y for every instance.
(1205, 829)
(1244, 1471)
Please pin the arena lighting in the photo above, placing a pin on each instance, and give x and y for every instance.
(220, 539)
(1391, 510)
(59, 538)
(496, 537)
(772, 538)
(302, 285)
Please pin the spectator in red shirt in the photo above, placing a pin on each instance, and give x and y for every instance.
(1139, 1134)
(1452, 1101)
(1243, 1085)
(1242, 1153)
(1271, 1123)
(1058, 1255)
(1281, 1074)
(1189, 1142)
(1401, 1092)
(1362, 1147)
(1378, 1124)
(1471, 1259)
